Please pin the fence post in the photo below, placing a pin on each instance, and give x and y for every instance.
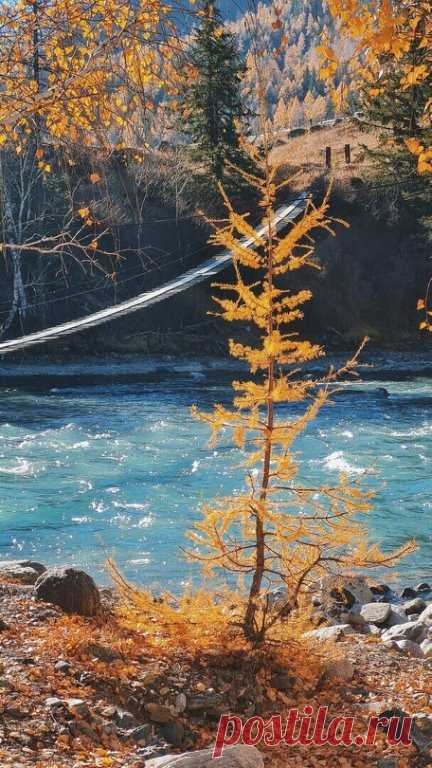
(348, 154)
(328, 154)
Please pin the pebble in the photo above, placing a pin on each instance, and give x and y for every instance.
(180, 703)
(79, 707)
(124, 719)
(63, 666)
(54, 702)
(158, 713)
(141, 734)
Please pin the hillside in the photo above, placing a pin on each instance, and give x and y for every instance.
(305, 154)
(289, 60)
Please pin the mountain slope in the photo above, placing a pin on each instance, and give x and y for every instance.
(288, 58)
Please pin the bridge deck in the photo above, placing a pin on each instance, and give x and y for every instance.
(188, 279)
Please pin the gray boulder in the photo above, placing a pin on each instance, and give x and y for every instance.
(71, 589)
(408, 648)
(372, 629)
(233, 757)
(331, 633)
(397, 616)
(426, 616)
(426, 647)
(410, 631)
(376, 613)
(21, 571)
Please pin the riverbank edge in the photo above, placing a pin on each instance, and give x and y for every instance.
(169, 714)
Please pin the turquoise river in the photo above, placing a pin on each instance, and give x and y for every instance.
(103, 458)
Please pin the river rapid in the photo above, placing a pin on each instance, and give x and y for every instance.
(103, 459)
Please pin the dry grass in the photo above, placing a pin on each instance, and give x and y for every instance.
(306, 154)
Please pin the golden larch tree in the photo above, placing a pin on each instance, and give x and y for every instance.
(278, 532)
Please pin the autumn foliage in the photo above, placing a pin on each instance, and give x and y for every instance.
(383, 33)
(277, 532)
(73, 67)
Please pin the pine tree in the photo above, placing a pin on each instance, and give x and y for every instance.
(395, 103)
(213, 101)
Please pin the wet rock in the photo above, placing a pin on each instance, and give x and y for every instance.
(376, 613)
(233, 757)
(414, 606)
(71, 589)
(408, 592)
(408, 648)
(158, 713)
(379, 589)
(423, 587)
(21, 571)
(173, 733)
(414, 631)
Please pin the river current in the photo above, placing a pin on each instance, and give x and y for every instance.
(104, 459)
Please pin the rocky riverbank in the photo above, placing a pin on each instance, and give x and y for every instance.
(80, 690)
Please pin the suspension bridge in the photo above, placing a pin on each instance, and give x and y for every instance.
(183, 282)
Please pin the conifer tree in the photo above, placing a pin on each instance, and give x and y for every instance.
(277, 532)
(396, 104)
(393, 55)
(213, 101)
